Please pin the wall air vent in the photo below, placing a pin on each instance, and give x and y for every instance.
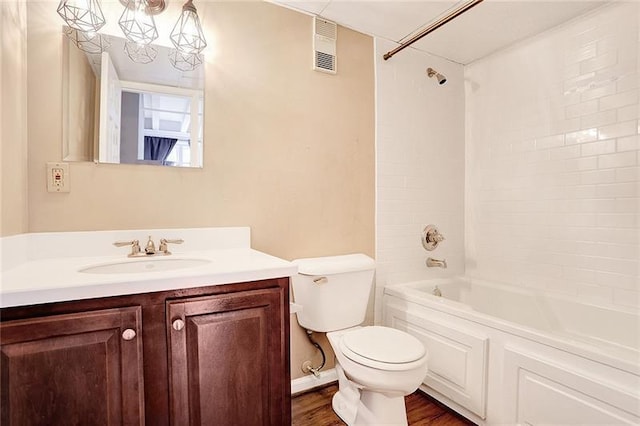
(325, 34)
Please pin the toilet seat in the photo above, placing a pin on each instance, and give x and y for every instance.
(383, 348)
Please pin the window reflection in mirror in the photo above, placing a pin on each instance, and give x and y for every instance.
(119, 111)
(156, 127)
(167, 127)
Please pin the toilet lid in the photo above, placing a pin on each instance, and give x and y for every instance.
(382, 345)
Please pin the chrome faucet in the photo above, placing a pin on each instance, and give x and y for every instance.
(431, 262)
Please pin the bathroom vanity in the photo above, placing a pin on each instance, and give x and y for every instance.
(201, 345)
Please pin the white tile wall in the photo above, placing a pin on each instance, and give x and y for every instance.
(420, 165)
(552, 187)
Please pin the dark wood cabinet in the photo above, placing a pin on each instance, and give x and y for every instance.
(77, 369)
(225, 366)
(215, 355)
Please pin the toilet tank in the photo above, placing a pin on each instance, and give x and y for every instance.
(333, 291)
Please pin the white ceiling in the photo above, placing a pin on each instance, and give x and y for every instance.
(488, 27)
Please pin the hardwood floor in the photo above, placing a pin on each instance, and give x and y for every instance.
(314, 409)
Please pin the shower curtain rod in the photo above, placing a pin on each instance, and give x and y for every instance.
(434, 26)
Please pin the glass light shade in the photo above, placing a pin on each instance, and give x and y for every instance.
(140, 53)
(136, 24)
(185, 61)
(187, 35)
(82, 15)
(88, 42)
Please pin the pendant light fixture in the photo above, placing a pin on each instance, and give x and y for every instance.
(137, 25)
(84, 18)
(82, 15)
(184, 61)
(89, 42)
(187, 35)
(140, 53)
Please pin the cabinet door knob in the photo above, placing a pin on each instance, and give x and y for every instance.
(178, 325)
(129, 334)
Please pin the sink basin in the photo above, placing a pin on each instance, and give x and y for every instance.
(143, 265)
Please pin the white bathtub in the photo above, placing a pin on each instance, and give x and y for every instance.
(502, 355)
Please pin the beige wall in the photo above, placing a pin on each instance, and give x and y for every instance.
(288, 151)
(13, 118)
(79, 84)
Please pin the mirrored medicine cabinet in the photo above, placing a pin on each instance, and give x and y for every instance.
(119, 111)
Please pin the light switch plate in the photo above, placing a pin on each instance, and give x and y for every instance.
(57, 177)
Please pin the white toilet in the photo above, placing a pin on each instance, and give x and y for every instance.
(377, 366)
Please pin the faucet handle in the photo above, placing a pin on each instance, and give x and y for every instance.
(135, 246)
(163, 244)
(434, 237)
(431, 237)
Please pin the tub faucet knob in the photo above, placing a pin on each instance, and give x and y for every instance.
(434, 237)
(431, 237)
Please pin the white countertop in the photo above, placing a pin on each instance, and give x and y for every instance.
(44, 279)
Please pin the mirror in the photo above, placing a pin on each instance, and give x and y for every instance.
(119, 111)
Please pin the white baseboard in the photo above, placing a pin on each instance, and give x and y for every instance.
(310, 381)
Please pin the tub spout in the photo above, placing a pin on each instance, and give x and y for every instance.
(431, 262)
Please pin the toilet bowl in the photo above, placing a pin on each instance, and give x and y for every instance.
(377, 366)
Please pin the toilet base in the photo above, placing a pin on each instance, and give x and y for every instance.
(357, 406)
(345, 402)
(374, 409)
(344, 408)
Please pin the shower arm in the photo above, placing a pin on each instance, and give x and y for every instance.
(434, 26)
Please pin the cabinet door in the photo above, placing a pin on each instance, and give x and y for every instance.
(75, 369)
(229, 359)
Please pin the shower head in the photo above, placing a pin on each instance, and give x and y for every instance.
(441, 78)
